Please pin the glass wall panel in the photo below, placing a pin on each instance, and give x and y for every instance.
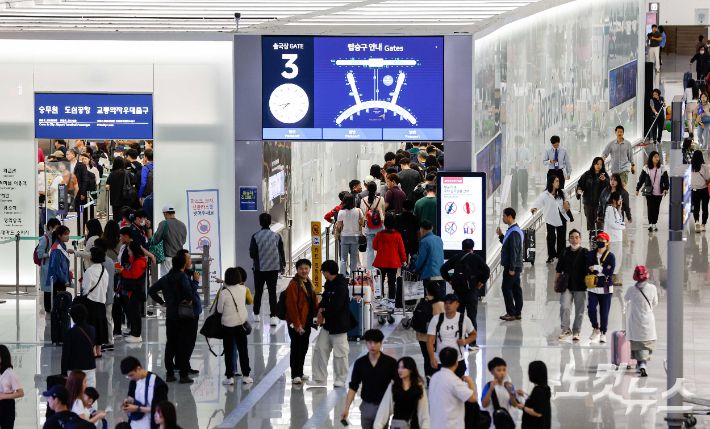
(547, 75)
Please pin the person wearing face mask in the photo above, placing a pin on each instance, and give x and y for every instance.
(691, 96)
(572, 288)
(702, 115)
(600, 263)
(701, 64)
(614, 225)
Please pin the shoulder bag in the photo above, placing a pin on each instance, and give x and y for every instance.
(647, 190)
(158, 249)
(137, 415)
(401, 423)
(644, 295)
(246, 325)
(81, 299)
(212, 327)
(592, 280)
(501, 416)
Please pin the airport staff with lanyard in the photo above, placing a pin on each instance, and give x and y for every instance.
(557, 161)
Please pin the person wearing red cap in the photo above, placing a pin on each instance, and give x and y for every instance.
(641, 330)
(600, 263)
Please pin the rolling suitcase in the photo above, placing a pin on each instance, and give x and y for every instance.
(621, 350)
(687, 76)
(529, 245)
(59, 318)
(357, 305)
(54, 380)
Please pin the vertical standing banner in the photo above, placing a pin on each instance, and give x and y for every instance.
(203, 229)
(316, 255)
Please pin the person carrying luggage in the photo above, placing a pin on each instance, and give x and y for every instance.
(600, 263)
(78, 346)
(390, 255)
(301, 306)
(145, 391)
(641, 326)
(470, 273)
(373, 210)
(232, 303)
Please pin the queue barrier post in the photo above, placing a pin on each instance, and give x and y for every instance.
(206, 274)
(17, 269)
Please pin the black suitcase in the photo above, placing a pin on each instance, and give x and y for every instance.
(54, 380)
(529, 245)
(60, 321)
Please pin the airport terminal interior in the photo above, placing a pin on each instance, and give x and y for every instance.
(117, 116)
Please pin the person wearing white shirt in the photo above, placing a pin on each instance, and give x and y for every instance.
(555, 206)
(450, 329)
(614, 225)
(522, 159)
(501, 387)
(641, 327)
(557, 161)
(349, 221)
(449, 392)
(94, 287)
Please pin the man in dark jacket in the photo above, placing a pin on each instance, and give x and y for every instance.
(58, 401)
(511, 258)
(82, 179)
(177, 289)
(142, 380)
(194, 277)
(334, 317)
(573, 265)
(467, 291)
(409, 179)
(78, 346)
(407, 224)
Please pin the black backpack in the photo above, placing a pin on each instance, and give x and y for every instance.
(423, 313)
(92, 182)
(129, 192)
(281, 306)
(441, 321)
(418, 192)
(409, 236)
(149, 182)
(463, 279)
(75, 422)
(501, 417)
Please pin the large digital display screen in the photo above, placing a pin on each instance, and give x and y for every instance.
(488, 161)
(462, 210)
(277, 185)
(622, 84)
(353, 88)
(93, 116)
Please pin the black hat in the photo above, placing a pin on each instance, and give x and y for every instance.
(58, 392)
(451, 297)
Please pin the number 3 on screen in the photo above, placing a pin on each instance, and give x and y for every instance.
(290, 64)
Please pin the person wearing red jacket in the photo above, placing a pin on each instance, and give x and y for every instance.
(332, 215)
(390, 254)
(131, 287)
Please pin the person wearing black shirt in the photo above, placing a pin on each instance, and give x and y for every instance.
(468, 293)
(78, 346)
(57, 399)
(572, 265)
(375, 371)
(407, 224)
(537, 412)
(654, 51)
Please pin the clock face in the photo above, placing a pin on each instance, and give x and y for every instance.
(288, 103)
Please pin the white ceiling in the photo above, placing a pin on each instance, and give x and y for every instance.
(259, 17)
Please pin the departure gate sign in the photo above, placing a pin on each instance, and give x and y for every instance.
(353, 88)
(93, 116)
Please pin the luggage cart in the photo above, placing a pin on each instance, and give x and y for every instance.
(701, 406)
(409, 298)
(359, 302)
(382, 307)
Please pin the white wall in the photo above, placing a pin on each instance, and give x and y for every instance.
(192, 86)
(674, 12)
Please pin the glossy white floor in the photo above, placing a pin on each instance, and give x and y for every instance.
(272, 402)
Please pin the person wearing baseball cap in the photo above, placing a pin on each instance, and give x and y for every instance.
(57, 400)
(450, 329)
(173, 233)
(601, 263)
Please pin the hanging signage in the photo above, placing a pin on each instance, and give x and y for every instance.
(203, 230)
(462, 210)
(316, 249)
(94, 116)
(247, 198)
(17, 200)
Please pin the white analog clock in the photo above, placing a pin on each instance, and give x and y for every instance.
(288, 103)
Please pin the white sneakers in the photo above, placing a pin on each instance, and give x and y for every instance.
(602, 338)
(127, 331)
(575, 336)
(697, 228)
(305, 378)
(595, 335)
(257, 318)
(131, 339)
(339, 384)
(473, 348)
(228, 382)
(247, 380)
(565, 333)
(297, 380)
(274, 321)
(314, 383)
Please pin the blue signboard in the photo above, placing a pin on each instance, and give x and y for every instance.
(94, 116)
(247, 198)
(353, 88)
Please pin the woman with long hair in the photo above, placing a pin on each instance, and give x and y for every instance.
(691, 96)
(131, 283)
(614, 225)
(590, 187)
(92, 231)
(372, 203)
(301, 308)
(702, 119)
(431, 305)
(615, 185)
(114, 184)
(555, 206)
(700, 177)
(58, 272)
(10, 389)
(405, 399)
(231, 303)
(166, 416)
(350, 220)
(94, 286)
(654, 180)
(537, 412)
(112, 235)
(76, 384)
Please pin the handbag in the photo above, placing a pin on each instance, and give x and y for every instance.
(212, 327)
(246, 325)
(185, 311)
(401, 423)
(592, 280)
(81, 299)
(501, 417)
(158, 249)
(362, 245)
(647, 190)
(563, 281)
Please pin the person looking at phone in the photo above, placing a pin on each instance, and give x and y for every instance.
(145, 391)
(500, 387)
(589, 188)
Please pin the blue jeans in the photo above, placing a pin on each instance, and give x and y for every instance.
(370, 234)
(703, 135)
(604, 302)
(348, 246)
(234, 359)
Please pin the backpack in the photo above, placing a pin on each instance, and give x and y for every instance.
(75, 422)
(374, 217)
(463, 278)
(35, 256)
(409, 237)
(418, 192)
(92, 182)
(423, 313)
(129, 192)
(501, 418)
(281, 306)
(149, 182)
(441, 321)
